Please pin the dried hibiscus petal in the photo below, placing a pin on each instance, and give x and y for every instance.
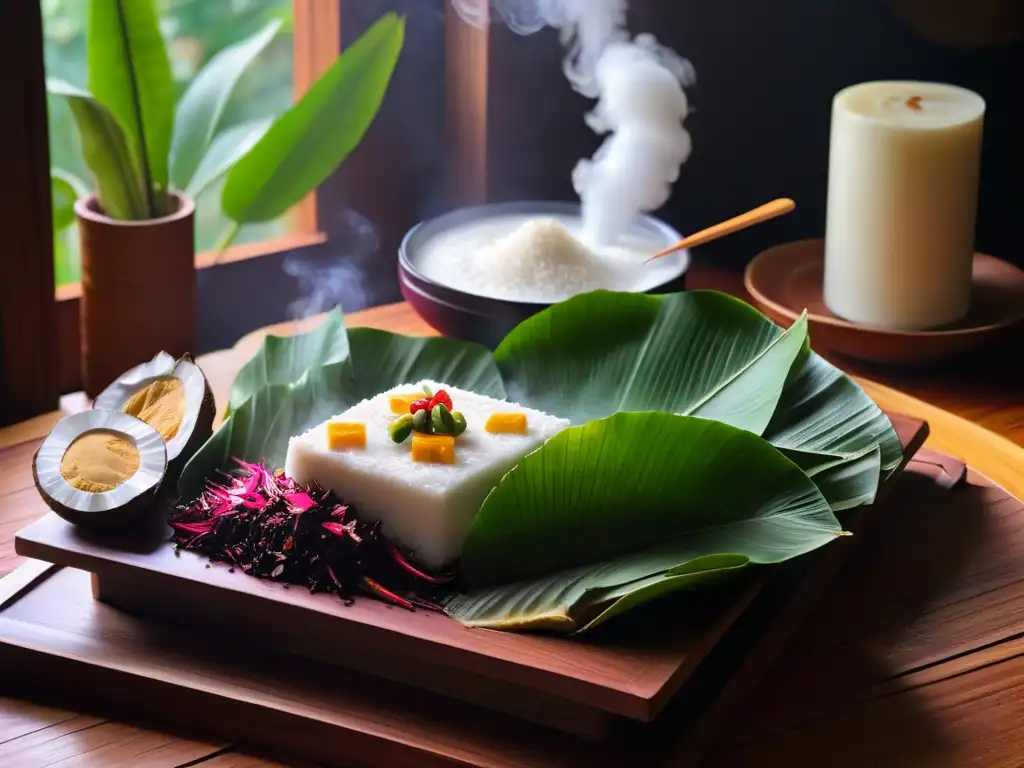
(271, 527)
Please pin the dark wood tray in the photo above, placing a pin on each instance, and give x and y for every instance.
(660, 691)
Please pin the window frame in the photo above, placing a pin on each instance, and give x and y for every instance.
(45, 322)
(28, 318)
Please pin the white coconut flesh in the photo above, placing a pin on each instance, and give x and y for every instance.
(192, 389)
(148, 446)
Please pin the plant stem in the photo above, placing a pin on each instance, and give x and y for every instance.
(226, 238)
(147, 177)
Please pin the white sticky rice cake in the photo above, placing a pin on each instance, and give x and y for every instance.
(425, 507)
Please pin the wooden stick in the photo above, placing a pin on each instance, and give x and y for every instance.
(750, 218)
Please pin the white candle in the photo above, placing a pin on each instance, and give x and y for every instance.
(902, 203)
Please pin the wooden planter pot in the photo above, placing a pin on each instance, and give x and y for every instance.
(138, 289)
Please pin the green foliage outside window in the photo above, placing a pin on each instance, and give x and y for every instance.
(194, 31)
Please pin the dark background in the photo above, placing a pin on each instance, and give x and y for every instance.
(766, 75)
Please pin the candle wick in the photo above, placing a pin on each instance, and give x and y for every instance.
(914, 103)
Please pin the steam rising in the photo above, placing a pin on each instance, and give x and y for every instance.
(641, 104)
(335, 279)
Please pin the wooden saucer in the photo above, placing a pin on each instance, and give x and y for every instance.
(788, 278)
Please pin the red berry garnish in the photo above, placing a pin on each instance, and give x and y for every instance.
(440, 397)
(423, 404)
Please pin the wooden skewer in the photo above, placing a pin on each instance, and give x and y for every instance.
(744, 220)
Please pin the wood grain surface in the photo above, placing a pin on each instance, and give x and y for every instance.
(582, 687)
(957, 700)
(870, 672)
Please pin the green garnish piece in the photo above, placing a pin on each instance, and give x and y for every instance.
(421, 421)
(428, 392)
(460, 423)
(442, 420)
(401, 428)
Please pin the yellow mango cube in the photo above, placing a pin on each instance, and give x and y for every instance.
(399, 404)
(435, 449)
(342, 435)
(506, 423)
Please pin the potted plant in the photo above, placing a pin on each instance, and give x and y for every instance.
(149, 157)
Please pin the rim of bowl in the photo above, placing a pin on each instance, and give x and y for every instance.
(457, 216)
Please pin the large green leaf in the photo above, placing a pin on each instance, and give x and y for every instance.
(699, 353)
(285, 359)
(823, 410)
(381, 360)
(265, 419)
(201, 107)
(845, 480)
(130, 73)
(588, 525)
(306, 143)
(106, 153)
(227, 148)
(623, 351)
(65, 189)
(259, 430)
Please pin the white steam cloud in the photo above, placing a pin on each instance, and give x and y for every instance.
(641, 104)
(333, 277)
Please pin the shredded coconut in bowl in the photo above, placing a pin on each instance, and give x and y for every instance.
(533, 259)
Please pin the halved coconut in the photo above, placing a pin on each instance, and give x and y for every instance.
(173, 397)
(99, 468)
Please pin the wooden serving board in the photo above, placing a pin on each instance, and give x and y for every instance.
(681, 673)
(912, 658)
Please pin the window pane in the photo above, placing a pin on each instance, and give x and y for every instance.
(194, 30)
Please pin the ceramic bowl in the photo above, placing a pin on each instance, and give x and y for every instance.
(488, 320)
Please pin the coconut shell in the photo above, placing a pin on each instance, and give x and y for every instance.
(201, 431)
(123, 515)
(120, 391)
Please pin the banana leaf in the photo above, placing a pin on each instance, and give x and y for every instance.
(259, 430)
(199, 112)
(587, 525)
(621, 352)
(307, 142)
(699, 353)
(130, 73)
(106, 153)
(664, 483)
(285, 359)
(229, 146)
(65, 189)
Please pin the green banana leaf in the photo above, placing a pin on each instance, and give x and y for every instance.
(229, 146)
(65, 189)
(588, 525)
(698, 354)
(845, 480)
(306, 143)
(259, 430)
(199, 112)
(621, 351)
(381, 360)
(285, 359)
(824, 411)
(130, 73)
(260, 426)
(106, 153)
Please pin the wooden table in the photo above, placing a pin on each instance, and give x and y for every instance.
(976, 689)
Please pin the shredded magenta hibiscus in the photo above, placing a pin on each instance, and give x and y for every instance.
(274, 528)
